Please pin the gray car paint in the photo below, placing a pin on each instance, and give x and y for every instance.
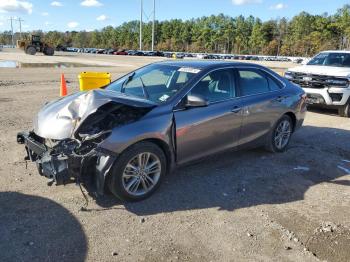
(199, 131)
(60, 119)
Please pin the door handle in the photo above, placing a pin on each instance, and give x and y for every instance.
(236, 109)
(280, 98)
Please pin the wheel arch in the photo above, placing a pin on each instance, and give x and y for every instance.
(163, 145)
(169, 154)
(293, 117)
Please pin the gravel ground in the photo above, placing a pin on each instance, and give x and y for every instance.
(235, 206)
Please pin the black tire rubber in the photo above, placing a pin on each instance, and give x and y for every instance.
(48, 51)
(114, 182)
(31, 50)
(344, 111)
(270, 145)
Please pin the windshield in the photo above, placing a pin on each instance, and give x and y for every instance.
(156, 82)
(331, 59)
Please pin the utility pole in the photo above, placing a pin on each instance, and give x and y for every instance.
(12, 38)
(153, 24)
(20, 27)
(141, 13)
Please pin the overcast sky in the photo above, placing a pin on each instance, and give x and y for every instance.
(88, 15)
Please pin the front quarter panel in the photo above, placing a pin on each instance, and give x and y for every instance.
(153, 127)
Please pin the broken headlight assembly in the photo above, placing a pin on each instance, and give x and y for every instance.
(77, 158)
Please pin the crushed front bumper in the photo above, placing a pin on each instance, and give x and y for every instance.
(66, 167)
(60, 168)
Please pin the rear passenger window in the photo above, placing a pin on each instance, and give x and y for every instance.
(252, 82)
(273, 84)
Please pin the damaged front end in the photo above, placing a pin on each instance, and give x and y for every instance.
(67, 153)
(68, 161)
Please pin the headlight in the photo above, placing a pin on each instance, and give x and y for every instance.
(288, 75)
(338, 82)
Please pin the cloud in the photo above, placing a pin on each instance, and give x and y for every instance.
(56, 3)
(91, 3)
(72, 24)
(278, 6)
(44, 13)
(16, 6)
(47, 23)
(1, 23)
(245, 2)
(102, 18)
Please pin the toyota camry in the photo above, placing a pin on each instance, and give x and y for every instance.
(128, 136)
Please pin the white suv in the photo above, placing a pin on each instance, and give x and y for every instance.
(326, 80)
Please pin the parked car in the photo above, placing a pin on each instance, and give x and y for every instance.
(100, 51)
(168, 54)
(131, 52)
(61, 48)
(121, 52)
(179, 55)
(138, 53)
(189, 55)
(154, 53)
(326, 80)
(91, 50)
(109, 51)
(130, 135)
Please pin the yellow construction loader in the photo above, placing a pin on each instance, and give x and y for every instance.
(34, 45)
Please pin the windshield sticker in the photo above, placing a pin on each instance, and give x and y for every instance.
(189, 70)
(164, 98)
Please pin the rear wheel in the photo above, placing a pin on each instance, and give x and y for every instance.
(138, 172)
(279, 137)
(344, 111)
(31, 50)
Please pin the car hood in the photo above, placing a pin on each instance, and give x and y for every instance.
(322, 70)
(61, 118)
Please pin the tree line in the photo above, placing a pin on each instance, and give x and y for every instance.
(302, 35)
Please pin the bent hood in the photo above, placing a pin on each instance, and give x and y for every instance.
(322, 70)
(61, 118)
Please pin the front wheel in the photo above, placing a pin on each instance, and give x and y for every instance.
(31, 50)
(280, 135)
(344, 111)
(138, 172)
(48, 51)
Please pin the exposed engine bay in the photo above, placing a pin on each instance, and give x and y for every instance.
(79, 158)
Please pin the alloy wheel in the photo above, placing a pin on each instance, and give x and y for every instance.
(141, 174)
(282, 134)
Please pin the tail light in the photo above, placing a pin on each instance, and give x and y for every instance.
(303, 98)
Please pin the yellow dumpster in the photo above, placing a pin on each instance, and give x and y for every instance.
(93, 80)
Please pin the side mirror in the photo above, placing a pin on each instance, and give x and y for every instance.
(196, 101)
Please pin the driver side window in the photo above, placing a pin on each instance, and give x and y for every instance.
(216, 86)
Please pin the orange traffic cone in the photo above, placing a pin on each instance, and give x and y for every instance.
(63, 88)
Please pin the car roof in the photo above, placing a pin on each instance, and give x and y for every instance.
(337, 51)
(204, 64)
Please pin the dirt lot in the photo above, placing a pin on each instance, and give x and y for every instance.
(236, 206)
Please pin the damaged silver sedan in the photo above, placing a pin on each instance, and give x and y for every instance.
(126, 137)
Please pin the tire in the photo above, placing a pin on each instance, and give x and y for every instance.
(124, 177)
(344, 111)
(273, 144)
(48, 51)
(31, 50)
